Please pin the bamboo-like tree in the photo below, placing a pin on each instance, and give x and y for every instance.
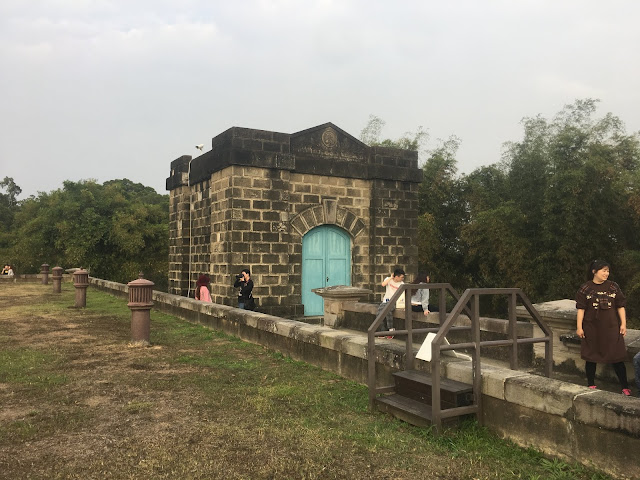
(116, 230)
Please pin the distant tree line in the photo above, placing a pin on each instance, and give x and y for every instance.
(115, 230)
(567, 193)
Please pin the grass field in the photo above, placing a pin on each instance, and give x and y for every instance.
(78, 401)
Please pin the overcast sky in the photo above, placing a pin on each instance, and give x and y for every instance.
(108, 89)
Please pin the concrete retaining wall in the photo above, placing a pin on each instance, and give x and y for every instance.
(561, 419)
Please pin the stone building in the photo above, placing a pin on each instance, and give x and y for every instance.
(304, 210)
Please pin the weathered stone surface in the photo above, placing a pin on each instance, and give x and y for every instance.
(286, 327)
(332, 340)
(541, 393)
(556, 309)
(494, 380)
(557, 436)
(355, 346)
(608, 410)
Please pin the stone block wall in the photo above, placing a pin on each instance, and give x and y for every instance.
(393, 235)
(179, 240)
(250, 211)
(189, 224)
(344, 202)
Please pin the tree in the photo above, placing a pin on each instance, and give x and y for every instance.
(441, 202)
(8, 202)
(441, 206)
(13, 190)
(576, 195)
(371, 133)
(565, 194)
(116, 230)
(8, 207)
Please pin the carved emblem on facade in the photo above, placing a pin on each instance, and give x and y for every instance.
(281, 227)
(329, 138)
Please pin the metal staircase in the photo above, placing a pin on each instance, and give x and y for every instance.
(425, 399)
(413, 397)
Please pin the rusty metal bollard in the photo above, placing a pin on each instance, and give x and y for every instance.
(140, 303)
(81, 282)
(44, 270)
(57, 279)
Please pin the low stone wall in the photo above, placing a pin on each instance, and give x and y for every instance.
(560, 419)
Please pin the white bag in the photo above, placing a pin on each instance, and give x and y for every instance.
(425, 350)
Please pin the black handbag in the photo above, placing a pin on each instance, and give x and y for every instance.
(251, 303)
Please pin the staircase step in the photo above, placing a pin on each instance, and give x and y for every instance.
(409, 410)
(418, 386)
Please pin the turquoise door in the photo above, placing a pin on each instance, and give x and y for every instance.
(326, 261)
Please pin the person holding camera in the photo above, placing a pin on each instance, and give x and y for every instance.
(244, 284)
(602, 324)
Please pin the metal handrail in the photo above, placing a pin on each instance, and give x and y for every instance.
(469, 302)
(404, 289)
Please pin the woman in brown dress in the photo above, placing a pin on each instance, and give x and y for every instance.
(602, 324)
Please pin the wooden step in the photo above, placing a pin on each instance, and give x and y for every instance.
(418, 386)
(409, 410)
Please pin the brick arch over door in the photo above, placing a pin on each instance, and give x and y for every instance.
(327, 213)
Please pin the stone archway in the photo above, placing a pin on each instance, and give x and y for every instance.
(317, 219)
(327, 213)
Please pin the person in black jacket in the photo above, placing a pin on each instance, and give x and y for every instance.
(244, 284)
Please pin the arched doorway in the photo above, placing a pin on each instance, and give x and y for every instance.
(326, 261)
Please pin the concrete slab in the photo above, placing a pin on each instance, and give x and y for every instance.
(458, 370)
(541, 393)
(608, 410)
(286, 327)
(307, 333)
(355, 346)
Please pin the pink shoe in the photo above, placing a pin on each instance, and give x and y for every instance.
(593, 387)
(626, 392)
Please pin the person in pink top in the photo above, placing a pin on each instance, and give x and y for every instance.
(202, 289)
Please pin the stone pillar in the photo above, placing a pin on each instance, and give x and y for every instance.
(57, 279)
(45, 273)
(560, 316)
(140, 303)
(81, 282)
(335, 299)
